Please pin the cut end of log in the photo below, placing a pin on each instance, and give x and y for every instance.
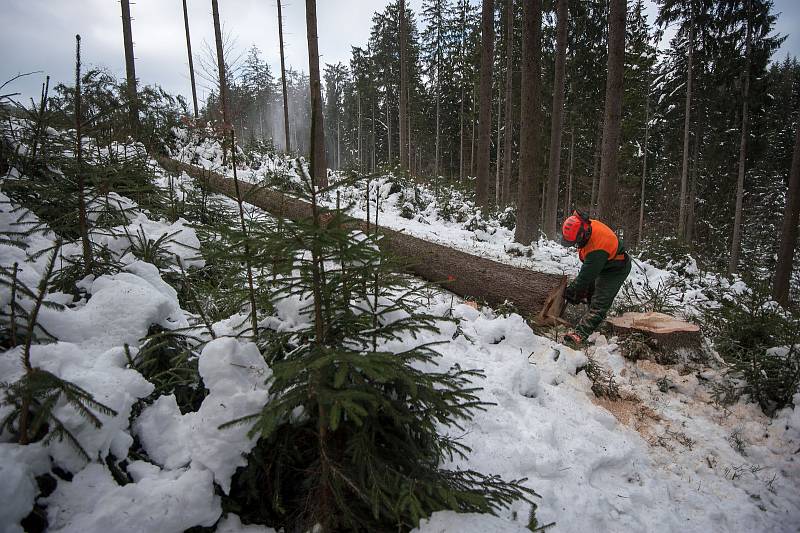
(652, 323)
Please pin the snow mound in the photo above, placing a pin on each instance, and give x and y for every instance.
(163, 501)
(235, 374)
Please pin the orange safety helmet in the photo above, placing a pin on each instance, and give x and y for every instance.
(577, 229)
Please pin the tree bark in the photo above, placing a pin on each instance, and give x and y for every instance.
(130, 68)
(644, 165)
(283, 80)
(402, 117)
(612, 121)
(551, 211)
(83, 220)
(459, 272)
(598, 146)
(319, 167)
(568, 196)
(691, 218)
(498, 154)
(506, 196)
(686, 128)
(528, 196)
(485, 110)
(788, 238)
(191, 60)
(733, 264)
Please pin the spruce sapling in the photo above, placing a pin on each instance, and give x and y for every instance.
(349, 439)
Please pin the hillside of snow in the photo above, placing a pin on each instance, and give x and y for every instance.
(661, 457)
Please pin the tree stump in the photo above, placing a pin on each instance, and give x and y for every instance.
(656, 336)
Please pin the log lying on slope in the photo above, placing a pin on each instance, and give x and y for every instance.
(460, 272)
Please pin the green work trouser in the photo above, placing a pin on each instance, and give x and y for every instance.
(606, 287)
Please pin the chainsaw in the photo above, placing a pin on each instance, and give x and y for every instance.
(554, 306)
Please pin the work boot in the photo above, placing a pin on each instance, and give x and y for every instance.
(573, 340)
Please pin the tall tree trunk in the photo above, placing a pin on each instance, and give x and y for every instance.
(691, 218)
(598, 143)
(283, 80)
(498, 154)
(461, 138)
(472, 141)
(436, 170)
(360, 141)
(227, 126)
(568, 196)
(506, 196)
(686, 131)
(319, 167)
(612, 121)
(83, 220)
(403, 119)
(791, 216)
(130, 68)
(191, 60)
(372, 136)
(388, 121)
(733, 264)
(554, 171)
(644, 165)
(485, 98)
(528, 198)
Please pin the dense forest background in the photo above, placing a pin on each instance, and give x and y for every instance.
(362, 112)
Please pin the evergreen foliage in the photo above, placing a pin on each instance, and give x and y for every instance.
(350, 437)
(761, 343)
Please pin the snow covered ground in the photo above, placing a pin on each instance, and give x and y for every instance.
(662, 458)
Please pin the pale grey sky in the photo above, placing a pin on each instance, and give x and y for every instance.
(40, 35)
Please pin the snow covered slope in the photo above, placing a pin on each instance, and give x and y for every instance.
(661, 458)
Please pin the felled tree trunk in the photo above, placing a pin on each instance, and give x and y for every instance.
(459, 272)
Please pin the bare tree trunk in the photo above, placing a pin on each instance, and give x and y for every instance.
(598, 143)
(319, 168)
(498, 154)
(551, 211)
(403, 119)
(791, 215)
(283, 80)
(388, 121)
(485, 98)
(83, 220)
(360, 141)
(372, 139)
(408, 129)
(733, 265)
(686, 131)
(612, 121)
(568, 196)
(226, 124)
(528, 197)
(644, 165)
(691, 219)
(461, 138)
(472, 141)
(506, 196)
(191, 60)
(130, 68)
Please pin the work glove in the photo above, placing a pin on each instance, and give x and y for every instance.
(579, 297)
(571, 295)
